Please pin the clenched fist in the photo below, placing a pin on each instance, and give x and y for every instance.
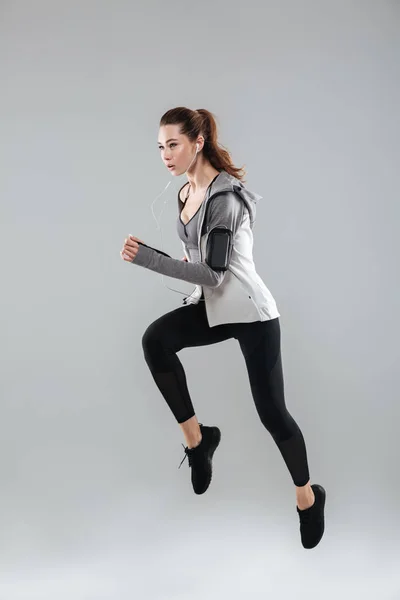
(130, 248)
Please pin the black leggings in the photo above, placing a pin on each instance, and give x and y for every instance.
(260, 342)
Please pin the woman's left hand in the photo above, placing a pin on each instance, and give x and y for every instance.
(131, 248)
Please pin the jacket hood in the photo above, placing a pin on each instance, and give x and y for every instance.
(224, 182)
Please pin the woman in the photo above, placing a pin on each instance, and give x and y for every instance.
(215, 222)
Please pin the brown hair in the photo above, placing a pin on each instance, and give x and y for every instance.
(202, 122)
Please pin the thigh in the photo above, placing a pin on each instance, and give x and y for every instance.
(186, 327)
(260, 343)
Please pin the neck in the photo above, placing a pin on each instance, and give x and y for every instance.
(201, 175)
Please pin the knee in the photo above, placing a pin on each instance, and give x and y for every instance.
(150, 339)
(156, 347)
(146, 337)
(280, 425)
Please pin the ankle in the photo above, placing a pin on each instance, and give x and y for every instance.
(192, 432)
(194, 441)
(305, 498)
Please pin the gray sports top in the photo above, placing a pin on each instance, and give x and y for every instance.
(188, 232)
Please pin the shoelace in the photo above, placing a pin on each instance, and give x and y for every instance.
(189, 452)
(188, 455)
(307, 515)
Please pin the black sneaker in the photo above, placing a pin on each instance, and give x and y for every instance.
(199, 458)
(312, 519)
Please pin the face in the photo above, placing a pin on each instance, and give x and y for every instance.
(176, 150)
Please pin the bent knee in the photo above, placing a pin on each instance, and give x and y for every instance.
(150, 337)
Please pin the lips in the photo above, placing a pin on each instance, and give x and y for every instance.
(170, 166)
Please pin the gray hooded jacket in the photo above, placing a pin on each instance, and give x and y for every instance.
(237, 295)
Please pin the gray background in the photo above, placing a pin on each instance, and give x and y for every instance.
(92, 504)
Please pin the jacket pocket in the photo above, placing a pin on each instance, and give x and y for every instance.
(248, 293)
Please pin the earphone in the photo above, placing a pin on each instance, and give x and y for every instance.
(197, 148)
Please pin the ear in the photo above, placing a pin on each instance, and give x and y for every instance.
(200, 143)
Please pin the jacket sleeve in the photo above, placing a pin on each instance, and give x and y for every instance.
(224, 210)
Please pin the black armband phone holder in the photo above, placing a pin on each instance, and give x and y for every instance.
(219, 246)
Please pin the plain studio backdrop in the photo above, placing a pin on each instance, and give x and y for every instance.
(92, 504)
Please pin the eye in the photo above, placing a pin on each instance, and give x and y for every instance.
(170, 145)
